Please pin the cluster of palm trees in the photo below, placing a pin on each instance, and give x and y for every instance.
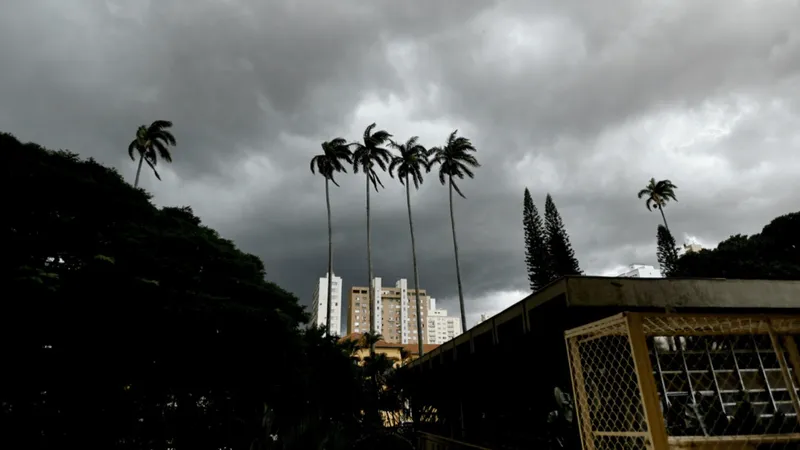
(455, 160)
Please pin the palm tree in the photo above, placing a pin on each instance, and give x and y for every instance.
(409, 164)
(328, 163)
(366, 156)
(455, 160)
(151, 143)
(368, 341)
(658, 194)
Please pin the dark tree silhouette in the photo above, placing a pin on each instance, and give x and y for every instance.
(334, 153)
(409, 164)
(455, 160)
(667, 251)
(537, 258)
(658, 194)
(367, 155)
(562, 257)
(773, 254)
(130, 326)
(151, 143)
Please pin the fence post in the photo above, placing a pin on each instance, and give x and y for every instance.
(582, 416)
(794, 357)
(779, 355)
(647, 383)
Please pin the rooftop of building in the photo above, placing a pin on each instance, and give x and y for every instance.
(414, 348)
(640, 294)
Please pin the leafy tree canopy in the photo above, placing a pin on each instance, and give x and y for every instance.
(773, 254)
(131, 326)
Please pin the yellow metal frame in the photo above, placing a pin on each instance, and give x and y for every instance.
(636, 327)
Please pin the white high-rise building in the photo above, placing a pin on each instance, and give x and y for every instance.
(319, 305)
(441, 327)
(641, 271)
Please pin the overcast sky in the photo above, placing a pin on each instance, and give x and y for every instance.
(585, 100)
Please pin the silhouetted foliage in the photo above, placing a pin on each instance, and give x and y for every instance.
(455, 160)
(151, 143)
(330, 162)
(129, 326)
(537, 257)
(773, 254)
(667, 251)
(562, 257)
(658, 194)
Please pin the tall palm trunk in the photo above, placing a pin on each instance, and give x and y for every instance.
(370, 294)
(416, 273)
(330, 256)
(138, 170)
(458, 269)
(661, 208)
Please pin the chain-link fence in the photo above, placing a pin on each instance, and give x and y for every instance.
(657, 381)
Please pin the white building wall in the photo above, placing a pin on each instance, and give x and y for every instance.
(377, 291)
(319, 306)
(402, 284)
(441, 327)
(641, 271)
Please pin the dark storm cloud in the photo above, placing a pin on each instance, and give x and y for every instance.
(586, 101)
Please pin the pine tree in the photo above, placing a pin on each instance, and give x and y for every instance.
(667, 251)
(537, 259)
(562, 257)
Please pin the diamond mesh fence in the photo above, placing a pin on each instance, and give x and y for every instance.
(697, 381)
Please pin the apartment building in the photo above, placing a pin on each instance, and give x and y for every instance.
(395, 311)
(319, 304)
(441, 327)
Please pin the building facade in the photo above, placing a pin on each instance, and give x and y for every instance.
(641, 271)
(319, 304)
(441, 327)
(395, 311)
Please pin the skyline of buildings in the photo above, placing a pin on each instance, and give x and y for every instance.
(395, 312)
(395, 308)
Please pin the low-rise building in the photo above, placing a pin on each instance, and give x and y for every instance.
(641, 271)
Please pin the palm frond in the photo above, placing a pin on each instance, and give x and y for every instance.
(131, 147)
(451, 139)
(462, 168)
(157, 124)
(152, 166)
(368, 132)
(393, 165)
(162, 151)
(458, 191)
(165, 136)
